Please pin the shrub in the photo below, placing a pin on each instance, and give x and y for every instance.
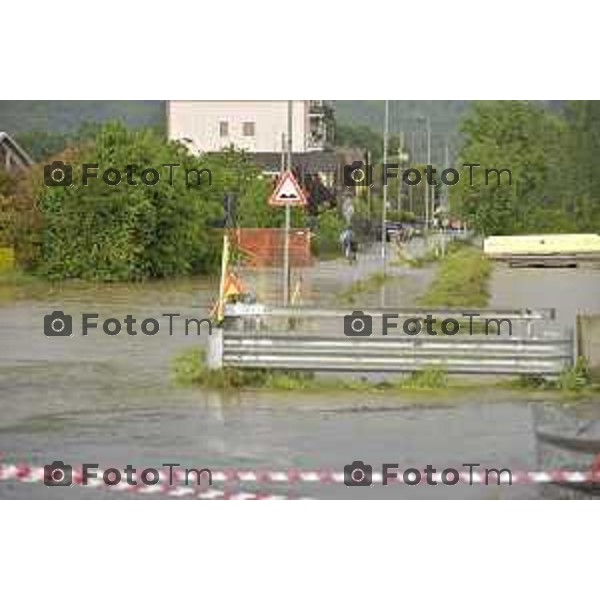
(430, 378)
(576, 378)
(190, 369)
(130, 232)
(326, 240)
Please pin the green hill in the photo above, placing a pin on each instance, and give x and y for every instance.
(444, 114)
(65, 116)
(54, 120)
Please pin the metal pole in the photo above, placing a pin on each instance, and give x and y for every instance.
(446, 166)
(400, 165)
(428, 122)
(386, 130)
(384, 206)
(369, 199)
(413, 155)
(286, 241)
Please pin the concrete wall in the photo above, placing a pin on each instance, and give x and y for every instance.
(588, 341)
(200, 121)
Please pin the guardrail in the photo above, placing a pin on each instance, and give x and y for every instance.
(307, 338)
(261, 310)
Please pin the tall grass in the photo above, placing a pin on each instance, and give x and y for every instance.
(461, 281)
(190, 369)
(370, 284)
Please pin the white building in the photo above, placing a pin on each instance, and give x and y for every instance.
(256, 126)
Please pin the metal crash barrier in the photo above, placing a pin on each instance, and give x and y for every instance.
(316, 339)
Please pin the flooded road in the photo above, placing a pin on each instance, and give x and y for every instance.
(569, 291)
(110, 400)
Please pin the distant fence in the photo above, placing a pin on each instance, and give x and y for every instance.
(313, 339)
(263, 247)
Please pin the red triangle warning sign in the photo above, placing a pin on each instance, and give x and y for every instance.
(288, 192)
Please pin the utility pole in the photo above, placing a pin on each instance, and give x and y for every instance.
(400, 165)
(386, 130)
(413, 155)
(446, 166)
(428, 123)
(286, 241)
(369, 199)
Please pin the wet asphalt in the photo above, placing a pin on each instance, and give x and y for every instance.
(112, 401)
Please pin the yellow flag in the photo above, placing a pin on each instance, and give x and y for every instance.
(224, 268)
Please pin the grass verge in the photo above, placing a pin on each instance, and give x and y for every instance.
(461, 280)
(575, 380)
(17, 277)
(370, 284)
(431, 256)
(189, 369)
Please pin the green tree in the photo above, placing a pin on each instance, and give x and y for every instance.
(128, 232)
(529, 140)
(583, 174)
(41, 144)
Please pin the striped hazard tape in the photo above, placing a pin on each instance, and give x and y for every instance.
(25, 473)
(479, 477)
(181, 488)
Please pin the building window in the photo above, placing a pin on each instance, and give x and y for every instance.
(248, 129)
(223, 128)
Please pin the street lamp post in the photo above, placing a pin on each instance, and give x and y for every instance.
(427, 121)
(402, 158)
(386, 128)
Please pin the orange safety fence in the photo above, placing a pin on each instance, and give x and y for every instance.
(263, 247)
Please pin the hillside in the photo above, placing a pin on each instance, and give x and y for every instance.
(445, 115)
(66, 116)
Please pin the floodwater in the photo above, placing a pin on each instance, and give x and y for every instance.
(111, 400)
(569, 291)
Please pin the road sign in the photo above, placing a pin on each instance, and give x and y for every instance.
(288, 192)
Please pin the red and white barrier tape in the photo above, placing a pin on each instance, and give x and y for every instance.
(25, 472)
(30, 474)
(296, 476)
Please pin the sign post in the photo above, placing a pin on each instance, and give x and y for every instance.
(287, 193)
(288, 214)
(287, 274)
